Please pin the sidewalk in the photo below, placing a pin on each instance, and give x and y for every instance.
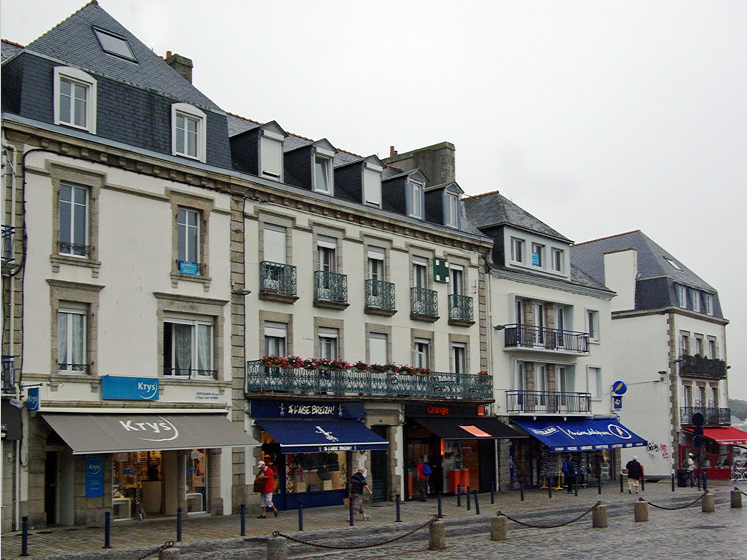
(132, 539)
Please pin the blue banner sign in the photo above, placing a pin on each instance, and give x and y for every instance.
(281, 409)
(193, 269)
(94, 477)
(33, 400)
(129, 388)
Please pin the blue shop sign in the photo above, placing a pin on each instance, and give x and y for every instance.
(309, 409)
(33, 399)
(129, 388)
(94, 477)
(617, 402)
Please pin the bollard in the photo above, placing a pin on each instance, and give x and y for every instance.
(498, 528)
(698, 477)
(107, 529)
(641, 511)
(492, 492)
(521, 486)
(300, 515)
(277, 548)
(477, 503)
(396, 503)
(736, 498)
(469, 501)
(351, 514)
(705, 482)
(178, 524)
(24, 536)
(621, 483)
(575, 485)
(242, 511)
(549, 490)
(709, 503)
(169, 554)
(672, 482)
(599, 485)
(459, 495)
(643, 483)
(440, 506)
(437, 536)
(599, 517)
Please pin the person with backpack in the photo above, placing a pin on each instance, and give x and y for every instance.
(635, 474)
(569, 470)
(424, 474)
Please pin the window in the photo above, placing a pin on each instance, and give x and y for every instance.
(519, 311)
(456, 280)
(188, 348)
(687, 397)
(695, 300)
(712, 349)
(566, 380)
(415, 200)
(708, 304)
(538, 255)
(557, 260)
(271, 155)
(376, 263)
(459, 357)
(327, 253)
(188, 125)
(451, 210)
(274, 242)
(681, 296)
(372, 184)
(540, 379)
(328, 343)
(322, 174)
(72, 335)
(114, 44)
(276, 335)
(377, 348)
(594, 382)
(73, 212)
(674, 264)
(188, 240)
(684, 344)
(419, 272)
(699, 345)
(421, 353)
(592, 324)
(75, 98)
(714, 398)
(520, 376)
(539, 322)
(517, 250)
(560, 326)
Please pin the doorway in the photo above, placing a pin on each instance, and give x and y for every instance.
(379, 471)
(50, 487)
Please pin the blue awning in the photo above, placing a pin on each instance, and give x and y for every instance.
(322, 436)
(581, 434)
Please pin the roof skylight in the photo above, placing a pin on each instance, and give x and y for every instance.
(674, 264)
(114, 44)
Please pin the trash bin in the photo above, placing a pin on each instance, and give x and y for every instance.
(683, 479)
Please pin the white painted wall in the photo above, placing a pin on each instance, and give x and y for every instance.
(620, 272)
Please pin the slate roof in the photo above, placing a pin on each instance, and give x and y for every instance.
(652, 263)
(493, 209)
(74, 42)
(9, 49)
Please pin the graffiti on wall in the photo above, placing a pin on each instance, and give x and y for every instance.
(658, 449)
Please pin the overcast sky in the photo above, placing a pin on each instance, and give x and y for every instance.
(597, 117)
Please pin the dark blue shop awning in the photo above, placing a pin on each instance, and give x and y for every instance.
(320, 436)
(581, 434)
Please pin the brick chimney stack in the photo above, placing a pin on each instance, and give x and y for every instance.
(392, 151)
(181, 64)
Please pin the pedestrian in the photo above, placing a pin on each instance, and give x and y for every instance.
(358, 485)
(689, 466)
(424, 476)
(569, 469)
(635, 474)
(264, 483)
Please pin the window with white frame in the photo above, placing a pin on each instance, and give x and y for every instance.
(687, 396)
(699, 345)
(276, 336)
(419, 272)
(274, 243)
(114, 44)
(714, 398)
(327, 253)
(695, 300)
(74, 98)
(540, 378)
(322, 173)
(520, 377)
(560, 326)
(377, 348)
(72, 338)
(415, 200)
(566, 379)
(188, 348)
(456, 280)
(376, 257)
(519, 311)
(684, 344)
(451, 210)
(328, 343)
(271, 155)
(681, 296)
(188, 240)
(459, 357)
(421, 353)
(538, 310)
(188, 131)
(538, 255)
(592, 324)
(74, 204)
(517, 250)
(594, 382)
(557, 260)
(712, 349)
(372, 185)
(708, 304)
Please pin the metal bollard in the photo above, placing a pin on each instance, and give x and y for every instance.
(396, 503)
(698, 477)
(178, 524)
(705, 482)
(549, 490)
(672, 482)
(599, 517)
(459, 495)
(351, 515)
(277, 548)
(300, 515)
(575, 484)
(640, 511)
(498, 528)
(437, 536)
(440, 506)
(643, 483)
(736, 498)
(708, 503)
(169, 554)
(107, 529)
(621, 483)
(24, 536)
(477, 503)
(242, 512)
(599, 485)
(469, 501)
(492, 492)
(521, 486)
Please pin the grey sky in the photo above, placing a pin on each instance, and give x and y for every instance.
(597, 117)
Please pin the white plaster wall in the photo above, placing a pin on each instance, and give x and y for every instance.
(620, 272)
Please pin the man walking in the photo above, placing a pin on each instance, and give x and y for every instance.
(358, 485)
(569, 469)
(635, 474)
(266, 476)
(424, 475)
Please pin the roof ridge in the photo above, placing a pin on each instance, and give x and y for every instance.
(243, 118)
(608, 237)
(482, 194)
(12, 43)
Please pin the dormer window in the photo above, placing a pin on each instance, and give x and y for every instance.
(271, 155)
(323, 171)
(188, 135)
(372, 184)
(451, 210)
(517, 250)
(415, 200)
(538, 255)
(74, 98)
(114, 44)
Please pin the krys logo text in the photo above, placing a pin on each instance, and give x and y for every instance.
(158, 430)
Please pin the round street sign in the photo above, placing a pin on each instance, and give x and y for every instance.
(619, 388)
(698, 419)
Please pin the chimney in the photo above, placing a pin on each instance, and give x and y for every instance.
(437, 162)
(392, 151)
(181, 64)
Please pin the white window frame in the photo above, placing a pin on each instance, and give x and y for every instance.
(556, 260)
(712, 348)
(184, 231)
(459, 357)
(78, 77)
(275, 242)
(681, 295)
(65, 314)
(195, 324)
(520, 378)
(71, 211)
(594, 388)
(451, 210)
(517, 250)
(684, 344)
(328, 341)
(383, 338)
(415, 200)
(187, 111)
(376, 263)
(420, 272)
(695, 299)
(323, 157)
(277, 334)
(708, 303)
(421, 353)
(539, 250)
(271, 155)
(592, 325)
(372, 184)
(699, 345)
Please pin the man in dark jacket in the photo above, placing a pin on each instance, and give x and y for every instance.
(358, 485)
(569, 469)
(635, 474)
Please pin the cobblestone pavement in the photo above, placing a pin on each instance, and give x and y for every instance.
(219, 537)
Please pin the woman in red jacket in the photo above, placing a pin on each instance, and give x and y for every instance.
(265, 473)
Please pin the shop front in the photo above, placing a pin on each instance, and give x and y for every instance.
(718, 453)
(458, 441)
(591, 443)
(313, 448)
(142, 465)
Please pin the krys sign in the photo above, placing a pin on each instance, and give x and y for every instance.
(129, 388)
(159, 429)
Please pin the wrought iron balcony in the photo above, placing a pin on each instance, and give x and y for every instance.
(75, 249)
(696, 366)
(350, 382)
(547, 402)
(424, 304)
(277, 278)
(330, 288)
(712, 415)
(543, 338)
(9, 373)
(9, 236)
(460, 310)
(380, 297)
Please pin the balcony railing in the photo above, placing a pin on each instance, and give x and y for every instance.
(277, 278)
(460, 308)
(67, 248)
(330, 287)
(9, 235)
(191, 373)
(465, 386)
(380, 295)
(697, 366)
(83, 368)
(712, 415)
(530, 336)
(424, 302)
(533, 402)
(9, 373)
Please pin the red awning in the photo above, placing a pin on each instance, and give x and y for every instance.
(725, 435)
